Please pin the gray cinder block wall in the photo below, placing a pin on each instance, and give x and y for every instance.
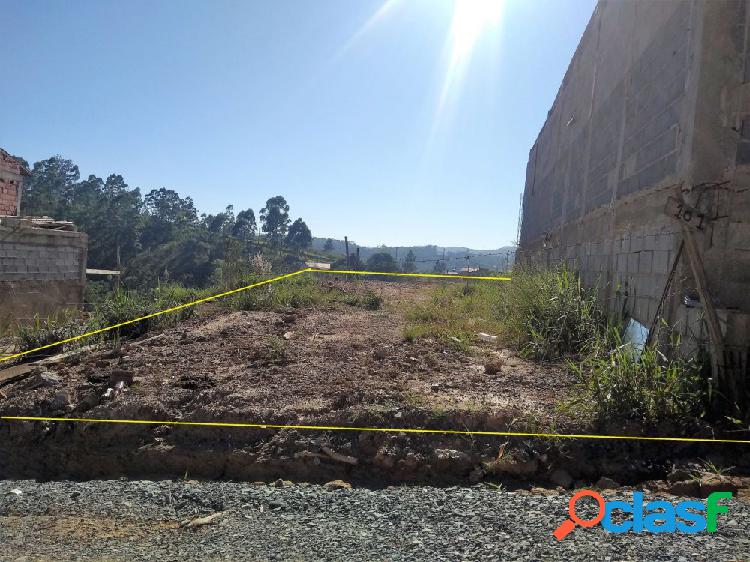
(42, 270)
(654, 105)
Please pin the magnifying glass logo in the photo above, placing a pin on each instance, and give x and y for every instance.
(569, 524)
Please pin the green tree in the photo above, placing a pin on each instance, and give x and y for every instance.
(299, 236)
(245, 227)
(114, 233)
(220, 223)
(328, 246)
(167, 217)
(275, 218)
(382, 261)
(410, 265)
(51, 188)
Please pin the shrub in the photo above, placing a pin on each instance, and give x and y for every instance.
(615, 381)
(549, 313)
(49, 330)
(124, 306)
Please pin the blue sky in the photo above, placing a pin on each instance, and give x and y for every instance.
(402, 122)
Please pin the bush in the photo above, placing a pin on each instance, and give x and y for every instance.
(124, 306)
(48, 331)
(549, 313)
(614, 381)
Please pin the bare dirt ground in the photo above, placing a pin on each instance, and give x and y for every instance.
(298, 366)
(340, 365)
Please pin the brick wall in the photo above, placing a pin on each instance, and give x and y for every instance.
(41, 271)
(11, 182)
(8, 197)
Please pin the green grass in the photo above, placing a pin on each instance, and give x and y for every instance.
(456, 311)
(45, 331)
(302, 292)
(614, 382)
(545, 314)
(549, 315)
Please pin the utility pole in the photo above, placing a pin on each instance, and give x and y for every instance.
(346, 243)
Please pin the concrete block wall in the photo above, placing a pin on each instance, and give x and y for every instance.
(655, 104)
(41, 272)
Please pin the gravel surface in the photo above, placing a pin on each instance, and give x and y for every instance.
(140, 520)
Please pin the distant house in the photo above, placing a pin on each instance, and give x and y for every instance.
(318, 265)
(42, 260)
(463, 271)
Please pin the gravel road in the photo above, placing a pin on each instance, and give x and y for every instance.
(140, 520)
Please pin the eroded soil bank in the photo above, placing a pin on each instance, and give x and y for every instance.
(340, 366)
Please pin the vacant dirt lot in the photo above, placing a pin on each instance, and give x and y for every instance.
(341, 365)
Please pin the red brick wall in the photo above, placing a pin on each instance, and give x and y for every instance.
(8, 197)
(10, 183)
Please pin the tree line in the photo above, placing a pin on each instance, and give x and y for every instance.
(159, 235)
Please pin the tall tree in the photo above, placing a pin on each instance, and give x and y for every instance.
(119, 223)
(299, 236)
(275, 218)
(51, 188)
(220, 223)
(410, 265)
(167, 217)
(245, 227)
(328, 246)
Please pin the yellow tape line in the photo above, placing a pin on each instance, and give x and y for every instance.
(377, 429)
(421, 275)
(147, 316)
(232, 292)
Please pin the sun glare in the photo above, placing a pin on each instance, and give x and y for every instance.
(471, 18)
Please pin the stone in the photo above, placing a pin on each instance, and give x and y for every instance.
(337, 485)
(61, 400)
(489, 338)
(493, 367)
(605, 483)
(120, 375)
(45, 379)
(561, 477)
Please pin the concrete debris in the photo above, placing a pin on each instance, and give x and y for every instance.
(16, 492)
(42, 380)
(338, 456)
(201, 521)
(288, 335)
(487, 337)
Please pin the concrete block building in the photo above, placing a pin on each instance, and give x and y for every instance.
(640, 176)
(42, 261)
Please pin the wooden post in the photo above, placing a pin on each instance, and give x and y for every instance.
(346, 243)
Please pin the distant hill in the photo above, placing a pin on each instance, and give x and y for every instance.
(498, 259)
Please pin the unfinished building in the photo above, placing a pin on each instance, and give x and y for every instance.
(640, 176)
(42, 261)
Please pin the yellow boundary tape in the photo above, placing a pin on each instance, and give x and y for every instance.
(376, 429)
(239, 290)
(325, 427)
